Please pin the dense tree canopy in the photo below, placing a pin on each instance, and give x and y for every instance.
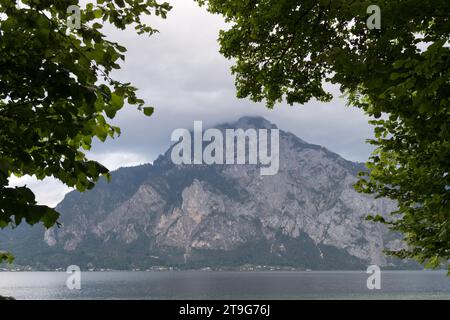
(56, 93)
(398, 74)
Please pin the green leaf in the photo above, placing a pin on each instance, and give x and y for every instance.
(117, 101)
(148, 111)
(98, 13)
(5, 256)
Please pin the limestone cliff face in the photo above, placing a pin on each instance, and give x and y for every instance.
(309, 210)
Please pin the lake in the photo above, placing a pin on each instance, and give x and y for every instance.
(226, 285)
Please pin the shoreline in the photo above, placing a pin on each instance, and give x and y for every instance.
(225, 271)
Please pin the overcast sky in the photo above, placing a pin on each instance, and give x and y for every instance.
(182, 74)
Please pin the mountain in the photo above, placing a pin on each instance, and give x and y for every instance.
(193, 216)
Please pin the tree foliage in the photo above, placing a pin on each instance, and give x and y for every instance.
(57, 94)
(399, 75)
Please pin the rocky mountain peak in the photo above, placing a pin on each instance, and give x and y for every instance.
(253, 122)
(307, 215)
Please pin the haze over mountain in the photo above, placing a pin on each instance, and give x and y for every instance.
(191, 216)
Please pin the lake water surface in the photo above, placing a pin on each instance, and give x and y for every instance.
(226, 285)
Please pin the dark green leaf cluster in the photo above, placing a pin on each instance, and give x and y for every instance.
(57, 93)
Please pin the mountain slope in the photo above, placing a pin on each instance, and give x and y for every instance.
(307, 216)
